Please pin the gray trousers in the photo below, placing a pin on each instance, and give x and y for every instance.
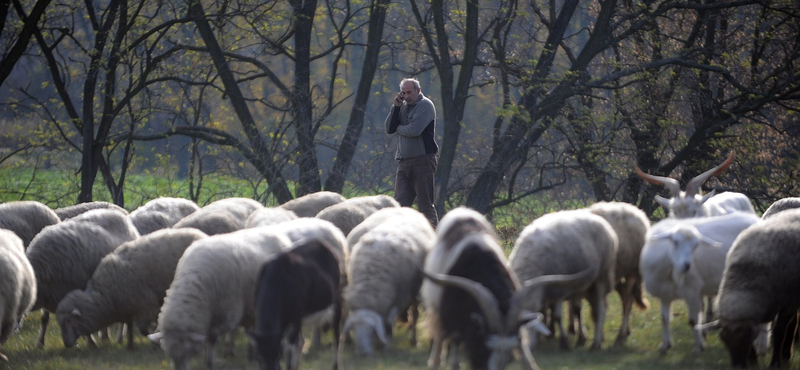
(415, 181)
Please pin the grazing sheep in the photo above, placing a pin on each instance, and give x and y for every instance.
(471, 296)
(689, 203)
(65, 255)
(563, 243)
(384, 279)
(213, 292)
(65, 213)
(631, 225)
(781, 205)
(684, 259)
(760, 282)
(221, 217)
(346, 215)
(161, 213)
(299, 287)
(128, 286)
(310, 204)
(26, 218)
(269, 216)
(17, 285)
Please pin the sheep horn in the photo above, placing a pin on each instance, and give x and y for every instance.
(694, 184)
(673, 185)
(522, 298)
(487, 302)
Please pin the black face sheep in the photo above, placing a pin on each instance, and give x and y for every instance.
(65, 255)
(759, 283)
(128, 286)
(17, 285)
(563, 243)
(26, 218)
(631, 225)
(384, 279)
(161, 213)
(221, 217)
(348, 214)
(213, 292)
(684, 259)
(310, 204)
(299, 286)
(65, 213)
(781, 205)
(470, 295)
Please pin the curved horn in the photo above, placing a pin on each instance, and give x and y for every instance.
(487, 302)
(694, 184)
(522, 297)
(673, 185)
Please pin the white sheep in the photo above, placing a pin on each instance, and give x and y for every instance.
(351, 212)
(65, 213)
(781, 205)
(631, 226)
(383, 273)
(760, 285)
(26, 218)
(563, 243)
(269, 216)
(65, 255)
(310, 204)
(221, 216)
(128, 286)
(684, 259)
(213, 292)
(17, 285)
(161, 213)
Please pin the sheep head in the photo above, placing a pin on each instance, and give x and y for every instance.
(688, 203)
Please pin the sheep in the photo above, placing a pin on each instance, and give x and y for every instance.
(781, 205)
(128, 286)
(161, 213)
(298, 287)
(212, 292)
(346, 215)
(17, 285)
(269, 216)
(384, 280)
(471, 296)
(687, 204)
(65, 255)
(311, 204)
(65, 213)
(760, 282)
(630, 225)
(26, 218)
(568, 242)
(221, 217)
(684, 259)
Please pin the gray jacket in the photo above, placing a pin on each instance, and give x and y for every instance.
(414, 125)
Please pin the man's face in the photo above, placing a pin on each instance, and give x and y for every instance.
(410, 93)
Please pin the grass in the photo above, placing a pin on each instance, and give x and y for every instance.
(641, 351)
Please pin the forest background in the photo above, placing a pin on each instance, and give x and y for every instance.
(541, 105)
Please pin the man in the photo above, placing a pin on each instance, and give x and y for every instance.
(412, 119)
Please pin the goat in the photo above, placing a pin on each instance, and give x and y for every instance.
(689, 203)
(299, 286)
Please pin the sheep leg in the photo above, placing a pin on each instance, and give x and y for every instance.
(43, 328)
(625, 290)
(576, 321)
(316, 338)
(413, 325)
(435, 356)
(230, 341)
(452, 355)
(783, 333)
(129, 326)
(666, 341)
(211, 351)
(599, 308)
(557, 316)
(695, 305)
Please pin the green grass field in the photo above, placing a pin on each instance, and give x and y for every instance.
(641, 352)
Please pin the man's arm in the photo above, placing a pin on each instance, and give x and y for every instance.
(393, 120)
(423, 114)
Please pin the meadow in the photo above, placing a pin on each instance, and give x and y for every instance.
(641, 351)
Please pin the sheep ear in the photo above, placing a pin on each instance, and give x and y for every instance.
(710, 241)
(76, 312)
(662, 236)
(711, 326)
(664, 202)
(156, 337)
(197, 337)
(707, 196)
(533, 321)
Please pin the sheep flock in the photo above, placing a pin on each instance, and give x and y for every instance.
(186, 281)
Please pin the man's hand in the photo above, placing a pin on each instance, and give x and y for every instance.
(398, 99)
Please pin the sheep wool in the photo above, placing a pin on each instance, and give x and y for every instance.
(221, 217)
(26, 218)
(68, 212)
(310, 204)
(161, 213)
(348, 214)
(17, 285)
(128, 286)
(269, 216)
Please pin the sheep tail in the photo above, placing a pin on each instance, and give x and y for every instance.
(638, 297)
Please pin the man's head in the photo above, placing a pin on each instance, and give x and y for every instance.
(410, 89)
